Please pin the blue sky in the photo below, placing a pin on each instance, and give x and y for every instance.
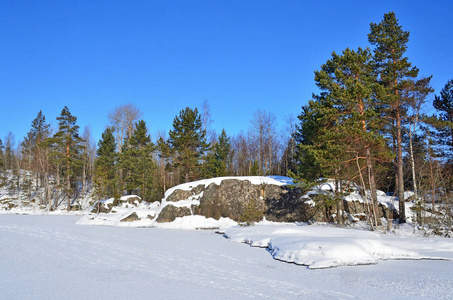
(240, 56)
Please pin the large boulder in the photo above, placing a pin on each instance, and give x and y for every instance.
(170, 212)
(231, 198)
(131, 218)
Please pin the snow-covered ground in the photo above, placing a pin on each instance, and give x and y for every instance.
(50, 257)
(319, 247)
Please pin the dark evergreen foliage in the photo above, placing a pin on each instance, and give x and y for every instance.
(70, 145)
(444, 105)
(188, 143)
(105, 166)
(394, 71)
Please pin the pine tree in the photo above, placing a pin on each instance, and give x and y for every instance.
(351, 81)
(188, 142)
(339, 128)
(70, 144)
(394, 70)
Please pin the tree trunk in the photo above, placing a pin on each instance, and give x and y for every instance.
(372, 183)
(339, 202)
(414, 179)
(369, 210)
(402, 207)
(84, 177)
(433, 195)
(68, 177)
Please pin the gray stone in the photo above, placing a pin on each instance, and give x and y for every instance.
(132, 217)
(170, 212)
(178, 194)
(102, 208)
(279, 203)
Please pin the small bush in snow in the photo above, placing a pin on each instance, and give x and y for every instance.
(253, 212)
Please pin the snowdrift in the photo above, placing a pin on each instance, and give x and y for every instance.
(319, 247)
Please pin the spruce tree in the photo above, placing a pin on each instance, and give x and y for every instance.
(34, 147)
(222, 151)
(218, 159)
(394, 71)
(138, 164)
(164, 154)
(188, 142)
(312, 120)
(105, 166)
(2, 165)
(444, 105)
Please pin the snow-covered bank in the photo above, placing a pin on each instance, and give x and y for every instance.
(147, 214)
(49, 257)
(326, 246)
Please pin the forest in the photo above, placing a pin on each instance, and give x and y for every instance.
(374, 121)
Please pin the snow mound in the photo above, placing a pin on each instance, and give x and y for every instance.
(319, 247)
(276, 180)
(196, 222)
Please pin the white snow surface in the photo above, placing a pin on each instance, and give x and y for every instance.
(276, 180)
(49, 257)
(321, 247)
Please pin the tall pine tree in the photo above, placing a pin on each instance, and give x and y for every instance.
(70, 144)
(394, 71)
(350, 81)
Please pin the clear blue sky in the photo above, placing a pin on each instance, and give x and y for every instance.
(165, 55)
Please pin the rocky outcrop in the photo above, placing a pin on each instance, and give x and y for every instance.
(178, 194)
(132, 217)
(107, 206)
(170, 212)
(230, 198)
(280, 203)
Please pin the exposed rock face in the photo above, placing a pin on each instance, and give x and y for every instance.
(288, 206)
(106, 206)
(178, 195)
(278, 203)
(170, 212)
(132, 217)
(230, 198)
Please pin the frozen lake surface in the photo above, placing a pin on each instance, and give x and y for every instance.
(50, 257)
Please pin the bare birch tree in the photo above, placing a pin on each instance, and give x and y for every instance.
(123, 118)
(263, 137)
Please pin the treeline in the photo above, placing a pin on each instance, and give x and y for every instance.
(64, 166)
(368, 125)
